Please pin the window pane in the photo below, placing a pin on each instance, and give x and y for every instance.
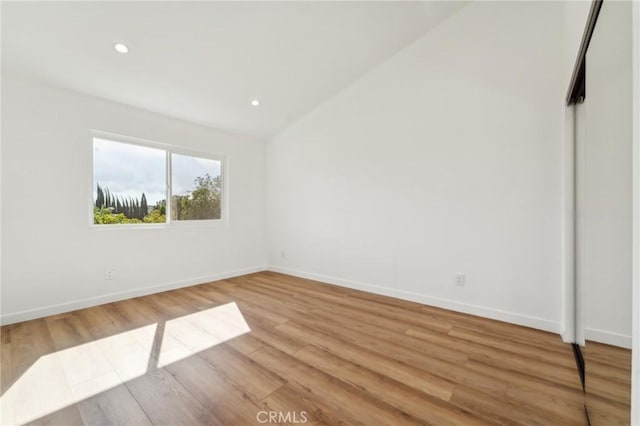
(196, 184)
(129, 183)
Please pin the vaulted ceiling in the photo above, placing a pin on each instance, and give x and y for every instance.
(205, 61)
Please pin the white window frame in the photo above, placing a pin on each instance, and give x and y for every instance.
(168, 149)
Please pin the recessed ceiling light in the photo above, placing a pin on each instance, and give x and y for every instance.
(255, 102)
(120, 48)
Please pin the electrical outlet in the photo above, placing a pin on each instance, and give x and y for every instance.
(108, 274)
(460, 280)
(282, 254)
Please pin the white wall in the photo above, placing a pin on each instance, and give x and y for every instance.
(635, 354)
(445, 159)
(606, 190)
(52, 261)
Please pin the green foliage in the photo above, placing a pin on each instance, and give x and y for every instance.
(144, 209)
(104, 216)
(131, 208)
(111, 209)
(155, 217)
(161, 206)
(202, 203)
(100, 198)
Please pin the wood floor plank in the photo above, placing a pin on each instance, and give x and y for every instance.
(567, 391)
(167, 402)
(276, 338)
(292, 398)
(275, 310)
(251, 377)
(382, 338)
(39, 391)
(114, 406)
(30, 341)
(617, 373)
(339, 355)
(340, 396)
(485, 348)
(607, 412)
(68, 416)
(348, 327)
(245, 343)
(547, 404)
(605, 387)
(503, 411)
(417, 404)
(419, 359)
(100, 394)
(612, 355)
(421, 380)
(560, 375)
(5, 359)
(215, 391)
(506, 345)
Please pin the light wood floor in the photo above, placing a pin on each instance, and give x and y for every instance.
(338, 355)
(608, 384)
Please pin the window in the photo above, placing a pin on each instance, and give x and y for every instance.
(130, 184)
(197, 188)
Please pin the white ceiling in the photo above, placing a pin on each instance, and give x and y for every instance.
(204, 61)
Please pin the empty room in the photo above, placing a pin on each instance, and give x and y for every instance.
(320, 212)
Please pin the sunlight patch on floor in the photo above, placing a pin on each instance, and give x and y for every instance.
(66, 377)
(196, 332)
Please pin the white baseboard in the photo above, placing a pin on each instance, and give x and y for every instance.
(524, 320)
(566, 337)
(114, 297)
(608, 337)
(510, 317)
